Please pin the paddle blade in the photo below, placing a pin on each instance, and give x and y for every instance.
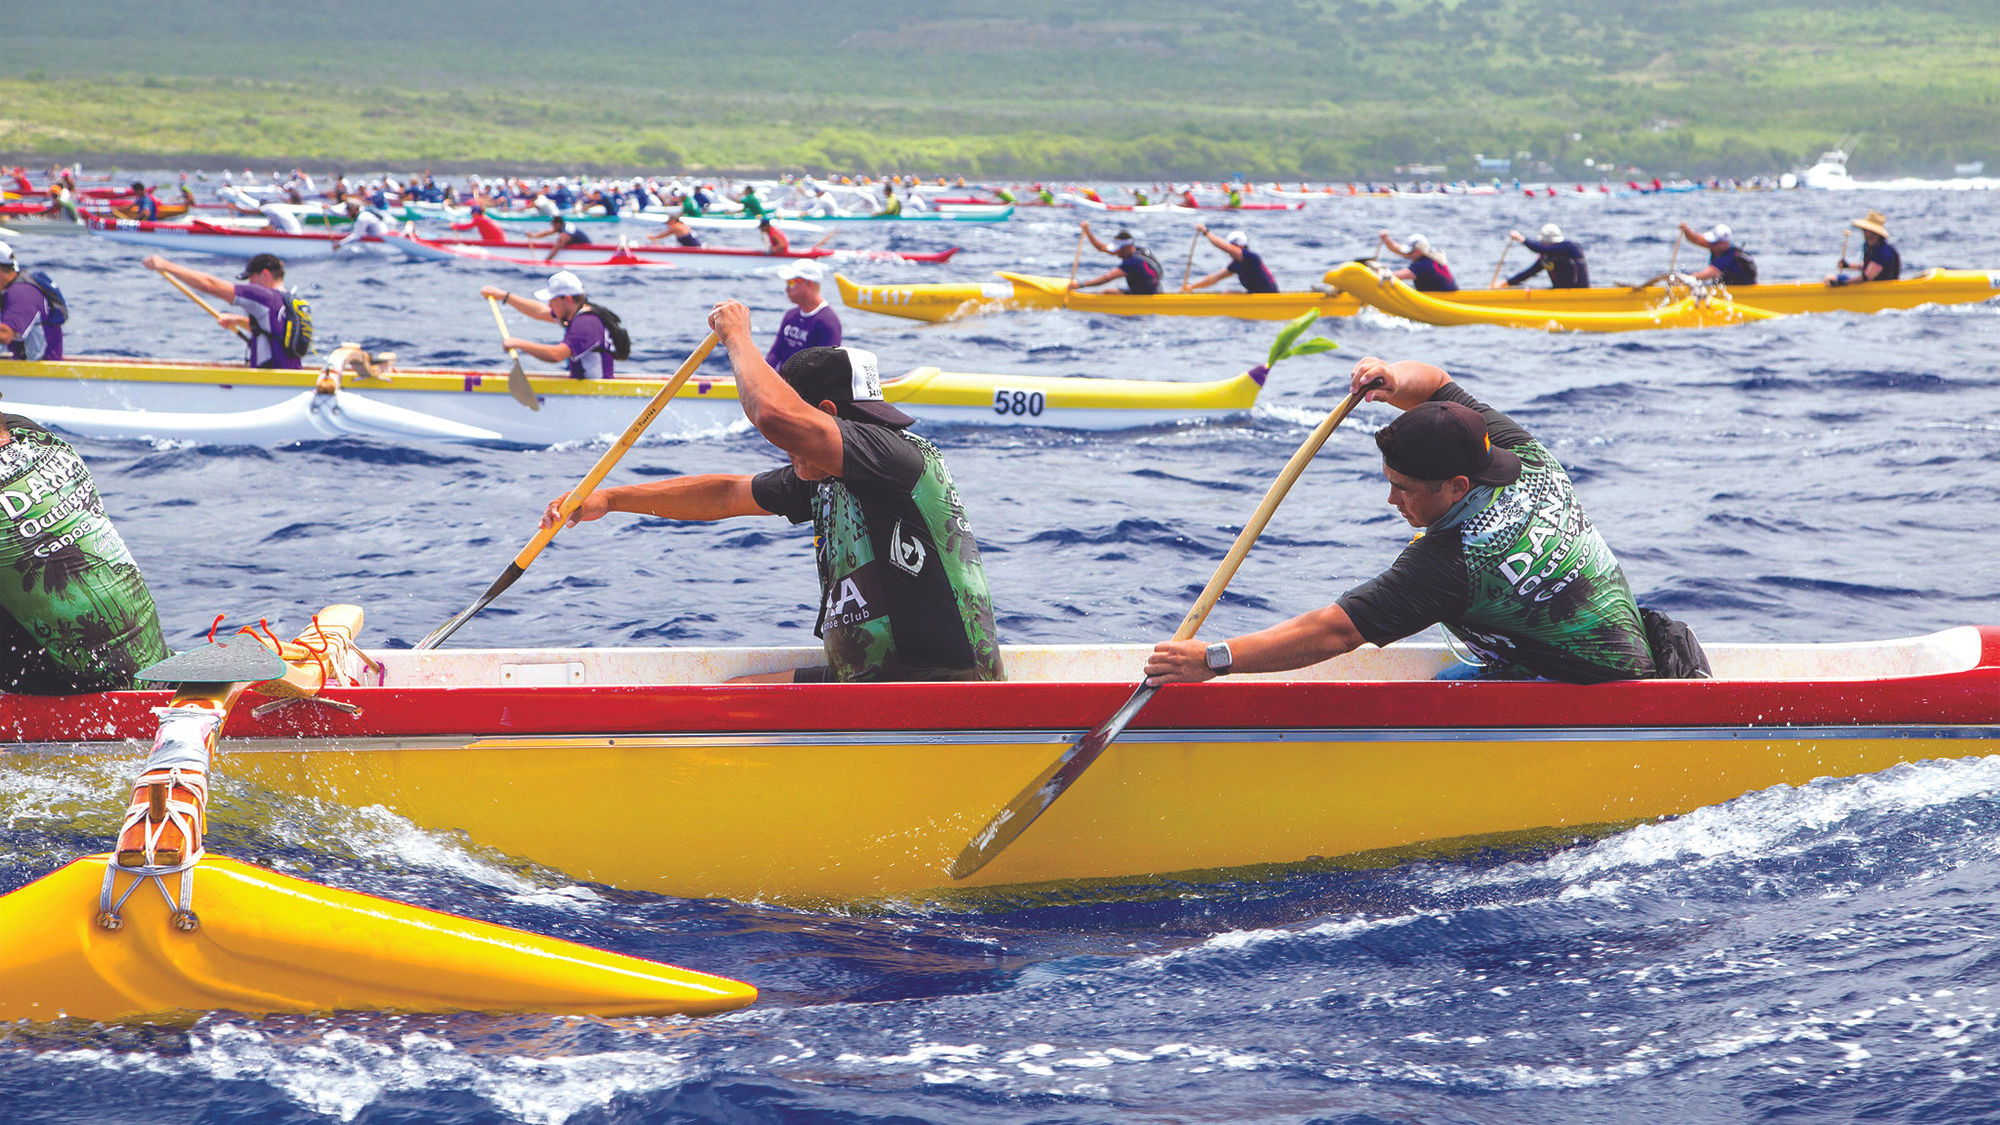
(517, 385)
(438, 635)
(1008, 824)
(224, 662)
(270, 943)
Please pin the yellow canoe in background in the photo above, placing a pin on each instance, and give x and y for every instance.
(942, 302)
(1932, 287)
(1385, 292)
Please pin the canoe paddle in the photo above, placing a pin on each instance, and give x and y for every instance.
(517, 379)
(1189, 271)
(196, 298)
(1508, 245)
(1842, 264)
(1073, 264)
(1008, 824)
(577, 495)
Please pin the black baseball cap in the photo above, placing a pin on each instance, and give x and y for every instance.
(263, 262)
(1442, 440)
(848, 378)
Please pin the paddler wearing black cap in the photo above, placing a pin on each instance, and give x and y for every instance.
(1140, 269)
(259, 291)
(1879, 260)
(1505, 558)
(903, 596)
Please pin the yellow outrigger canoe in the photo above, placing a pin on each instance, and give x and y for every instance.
(1691, 309)
(940, 302)
(838, 793)
(1932, 287)
(949, 301)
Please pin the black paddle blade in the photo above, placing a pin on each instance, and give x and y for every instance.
(240, 662)
(438, 635)
(1008, 824)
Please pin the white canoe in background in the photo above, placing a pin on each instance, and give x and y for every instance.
(235, 242)
(305, 416)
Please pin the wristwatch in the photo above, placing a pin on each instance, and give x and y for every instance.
(1219, 659)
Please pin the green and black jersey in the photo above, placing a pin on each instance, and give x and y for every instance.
(75, 614)
(902, 593)
(1517, 572)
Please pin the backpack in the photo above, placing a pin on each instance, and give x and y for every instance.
(1677, 655)
(1152, 263)
(1748, 266)
(296, 337)
(58, 307)
(614, 329)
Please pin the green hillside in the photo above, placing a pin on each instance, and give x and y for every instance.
(1288, 88)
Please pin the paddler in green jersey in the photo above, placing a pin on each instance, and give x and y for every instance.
(1505, 558)
(902, 593)
(75, 614)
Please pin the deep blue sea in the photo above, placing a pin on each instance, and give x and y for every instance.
(1826, 953)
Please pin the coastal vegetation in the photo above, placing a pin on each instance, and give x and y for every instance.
(1317, 89)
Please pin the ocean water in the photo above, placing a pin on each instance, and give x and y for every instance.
(1819, 953)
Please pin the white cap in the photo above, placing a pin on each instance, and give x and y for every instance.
(1717, 233)
(805, 269)
(1419, 242)
(562, 283)
(1237, 238)
(1551, 233)
(7, 253)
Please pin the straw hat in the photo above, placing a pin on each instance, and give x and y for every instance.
(1876, 223)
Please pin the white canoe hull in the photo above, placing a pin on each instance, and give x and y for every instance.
(290, 247)
(164, 400)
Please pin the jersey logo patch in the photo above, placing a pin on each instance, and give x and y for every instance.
(845, 604)
(907, 554)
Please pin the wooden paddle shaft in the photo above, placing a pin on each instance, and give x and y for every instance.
(196, 298)
(606, 463)
(1189, 271)
(1010, 822)
(494, 304)
(1273, 496)
(1842, 264)
(1506, 246)
(1674, 261)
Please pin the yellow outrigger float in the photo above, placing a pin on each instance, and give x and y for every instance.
(117, 936)
(1682, 308)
